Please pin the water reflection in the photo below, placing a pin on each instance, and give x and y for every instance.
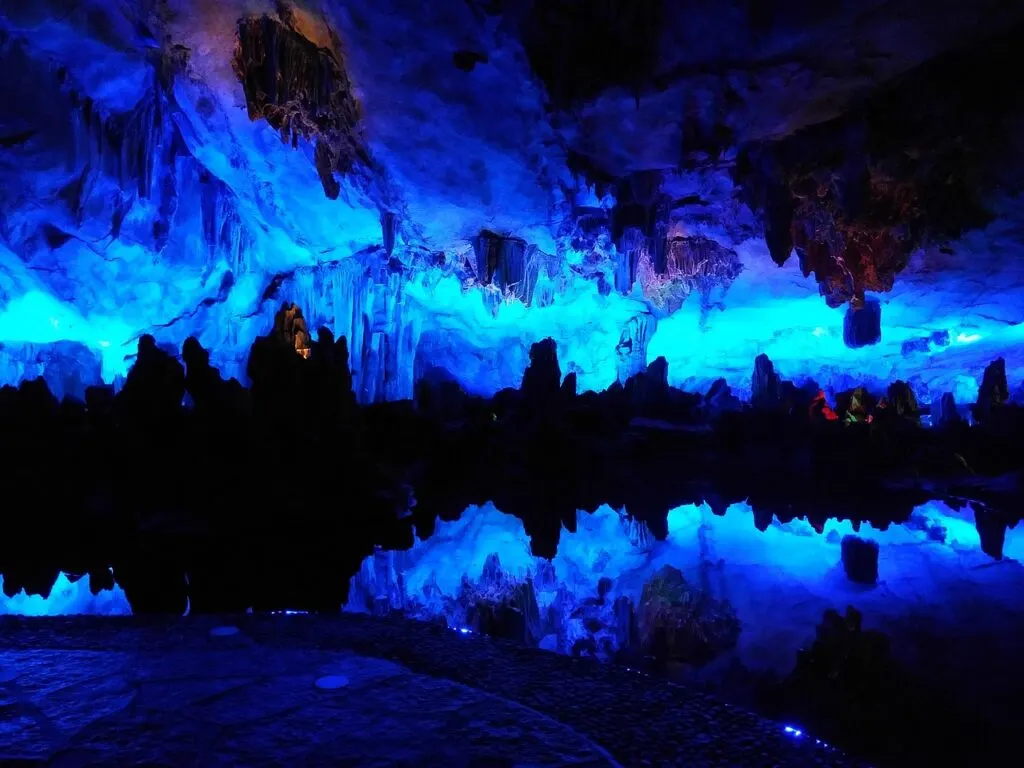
(779, 583)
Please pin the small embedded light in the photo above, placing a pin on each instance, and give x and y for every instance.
(965, 338)
(819, 331)
(103, 343)
(794, 732)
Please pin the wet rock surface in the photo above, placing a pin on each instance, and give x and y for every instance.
(102, 691)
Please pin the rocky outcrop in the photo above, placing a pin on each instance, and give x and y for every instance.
(765, 385)
(303, 91)
(680, 623)
(859, 194)
(543, 377)
(993, 393)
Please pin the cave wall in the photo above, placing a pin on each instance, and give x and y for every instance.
(154, 177)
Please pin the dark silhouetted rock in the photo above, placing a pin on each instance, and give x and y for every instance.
(569, 386)
(991, 530)
(945, 414)
(862, 326)
(765, 386)
(855, 405)
(902, 401)
(720, 399)
(543, 377)
(993, 393)
(860, 559)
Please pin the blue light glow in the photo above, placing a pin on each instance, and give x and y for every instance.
(780, 581)
(66, 599)
(67, 275)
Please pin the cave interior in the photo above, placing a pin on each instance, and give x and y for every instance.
(542, 320)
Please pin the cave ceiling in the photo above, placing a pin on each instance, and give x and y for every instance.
(171, 156)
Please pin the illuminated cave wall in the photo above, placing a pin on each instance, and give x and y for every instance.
(139, 194)
(932, 573)
(66, 598)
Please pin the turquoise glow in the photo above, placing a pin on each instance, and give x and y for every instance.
(66, 599)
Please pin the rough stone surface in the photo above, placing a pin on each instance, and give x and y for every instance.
(116, 692)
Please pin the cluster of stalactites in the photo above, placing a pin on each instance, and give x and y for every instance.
(507, 264)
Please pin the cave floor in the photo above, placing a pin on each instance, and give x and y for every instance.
(348, 690)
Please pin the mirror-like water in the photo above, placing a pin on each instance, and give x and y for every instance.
(724, 606)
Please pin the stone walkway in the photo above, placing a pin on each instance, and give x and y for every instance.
(348, 690)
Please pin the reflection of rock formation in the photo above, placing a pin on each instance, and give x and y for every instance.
(683, 624)
(847, 686)
(603, 615)
(766, 385)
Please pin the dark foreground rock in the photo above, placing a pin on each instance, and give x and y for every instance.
(117, 691)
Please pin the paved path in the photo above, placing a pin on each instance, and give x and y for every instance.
(348, 691)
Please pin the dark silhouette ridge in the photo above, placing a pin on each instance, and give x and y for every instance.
(271, 496)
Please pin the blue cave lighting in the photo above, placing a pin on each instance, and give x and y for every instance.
(67, 598)
(779, 581)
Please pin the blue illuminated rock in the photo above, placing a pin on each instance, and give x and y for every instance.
(366, 164)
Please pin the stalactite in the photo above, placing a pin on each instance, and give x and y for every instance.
(631, 351)
(507, 263)
(125, 147)
(631, 245)
(369, 309)
(389, 230)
